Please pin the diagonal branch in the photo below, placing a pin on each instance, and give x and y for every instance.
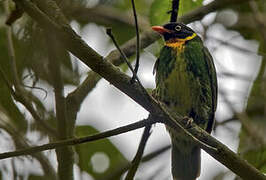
(137, 36)
(244, 119)
(76, 97)
(80, 49)
(104, 15)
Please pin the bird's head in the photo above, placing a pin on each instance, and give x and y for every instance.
(175, 31)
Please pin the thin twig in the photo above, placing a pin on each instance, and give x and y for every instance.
(109, 32)
(21, 143)
(138, 41)
(174, 11)
(124, 167)
(137, 159)
(11, 51)
(146, 96)
(38, 88)
(236, 47)
(75, 141)
(232, 119)
(155, 153)
(105, 14)
(260, 22)
(23, 100)
(19, 93)
(244, 119)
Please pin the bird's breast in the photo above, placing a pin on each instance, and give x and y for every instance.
(176, 87)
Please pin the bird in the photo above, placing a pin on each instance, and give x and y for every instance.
(186, 83)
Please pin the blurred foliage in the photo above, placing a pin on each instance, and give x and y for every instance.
(251, 148)
(30, 45)
(160, 10)
(36, 177)
(85, 152)
(7, 104)
(32, 65)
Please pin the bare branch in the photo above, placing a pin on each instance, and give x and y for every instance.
(106, 15)
(236, 47)
(76, 97)
(21, 143)
(124, 167)
(137, 36)
(135, 77)
(174, 11)
(137, 159)
(109, 33)
(224, 122)
(75, 141)
(244, 119)
(65, 156)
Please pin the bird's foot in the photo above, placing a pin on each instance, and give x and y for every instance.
(133, 79)
(187, 121)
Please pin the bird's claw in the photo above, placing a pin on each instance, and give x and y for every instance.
(133, 79)
(187, 121)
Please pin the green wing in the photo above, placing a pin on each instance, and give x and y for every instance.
(213, 78)
(200, 63)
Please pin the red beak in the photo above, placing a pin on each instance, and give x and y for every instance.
(160, 29)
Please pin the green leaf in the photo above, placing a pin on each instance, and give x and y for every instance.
(97, 158)
(188, 5)
(159, 9)
(158, 12)
(31, 53)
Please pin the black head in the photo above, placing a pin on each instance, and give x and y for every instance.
(174, 31)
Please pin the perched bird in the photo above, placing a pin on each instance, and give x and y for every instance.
(186, 83)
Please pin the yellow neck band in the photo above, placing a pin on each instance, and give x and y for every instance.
(179, 43)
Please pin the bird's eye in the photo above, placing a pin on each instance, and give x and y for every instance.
(178, 28)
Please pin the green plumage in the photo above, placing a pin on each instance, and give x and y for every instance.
(186, 83)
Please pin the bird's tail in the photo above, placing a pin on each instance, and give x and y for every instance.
(185, 166)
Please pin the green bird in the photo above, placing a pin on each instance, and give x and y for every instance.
(186, 83)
